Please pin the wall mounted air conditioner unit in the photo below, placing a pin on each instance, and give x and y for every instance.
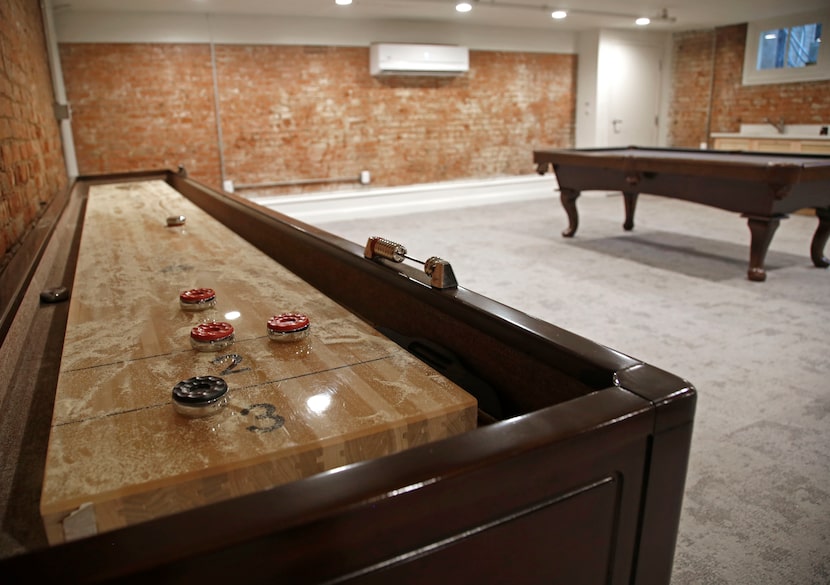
(404, 59)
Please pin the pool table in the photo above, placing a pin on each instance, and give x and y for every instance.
(763, 187)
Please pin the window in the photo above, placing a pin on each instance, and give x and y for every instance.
(786, 50)
(789, 47)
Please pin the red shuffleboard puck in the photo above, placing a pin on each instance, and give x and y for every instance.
(288, 327)
(197, 299)
(211, 336)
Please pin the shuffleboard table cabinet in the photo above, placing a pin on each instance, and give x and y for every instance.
(573, 472)
(763, 187)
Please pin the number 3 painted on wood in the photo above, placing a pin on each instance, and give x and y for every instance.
(268, 413)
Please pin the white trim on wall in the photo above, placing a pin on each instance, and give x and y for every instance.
(386, 201)
(134, 27)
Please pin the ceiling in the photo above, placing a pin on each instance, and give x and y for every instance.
(584, 14)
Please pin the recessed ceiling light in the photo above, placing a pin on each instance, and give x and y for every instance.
(642, 21)
(463, 7)
(342, 2)
(558, 14)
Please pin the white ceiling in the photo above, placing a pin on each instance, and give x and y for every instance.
(586, 14)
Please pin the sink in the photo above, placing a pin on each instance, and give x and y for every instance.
(789, 131)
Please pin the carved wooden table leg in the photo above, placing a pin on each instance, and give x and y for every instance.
(820, 238)
(761, 230)
(568, 198)
(630, 206)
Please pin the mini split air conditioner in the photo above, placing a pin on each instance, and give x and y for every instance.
(403, 59)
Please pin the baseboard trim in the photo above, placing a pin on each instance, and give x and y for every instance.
(385, 201)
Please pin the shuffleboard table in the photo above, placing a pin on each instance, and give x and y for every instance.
(572, 471)
(763, 187)
(339, 393)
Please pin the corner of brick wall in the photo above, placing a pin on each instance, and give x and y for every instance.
(735, 104)
(32, 171)
(691, 85)
(711, 61)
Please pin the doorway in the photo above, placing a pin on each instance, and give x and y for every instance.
(632, 78)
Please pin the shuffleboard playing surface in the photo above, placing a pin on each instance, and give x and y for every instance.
(120, 454)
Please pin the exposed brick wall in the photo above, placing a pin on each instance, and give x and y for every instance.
(732, 102)
(691, 85)
(32, 171)
(291, 112)
(142, 106)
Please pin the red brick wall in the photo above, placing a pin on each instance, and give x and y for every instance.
(732, 102)
(32, 171)
(142, 106)
(691, 86)
(291, 112)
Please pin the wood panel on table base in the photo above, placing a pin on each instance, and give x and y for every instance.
(575, 473)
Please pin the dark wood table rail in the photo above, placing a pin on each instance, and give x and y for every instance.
(575, 475)
(763, 187)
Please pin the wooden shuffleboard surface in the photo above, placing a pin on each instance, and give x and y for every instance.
(120, 454)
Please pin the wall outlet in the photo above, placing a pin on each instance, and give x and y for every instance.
(365, 177)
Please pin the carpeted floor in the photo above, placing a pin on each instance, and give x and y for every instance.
(674, 293)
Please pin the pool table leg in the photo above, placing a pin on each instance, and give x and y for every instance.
(761, 229)
(820, 238)
(630, 205)
(568, 198)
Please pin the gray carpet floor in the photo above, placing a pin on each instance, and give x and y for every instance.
(674, 293)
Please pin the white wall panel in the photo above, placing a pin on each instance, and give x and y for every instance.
(121, 27)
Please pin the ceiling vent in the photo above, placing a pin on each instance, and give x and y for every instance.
(404, 59)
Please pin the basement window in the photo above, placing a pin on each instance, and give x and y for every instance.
(787, 50)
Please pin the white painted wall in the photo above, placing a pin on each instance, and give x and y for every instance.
(135, 27)
(594, 82)
(587, 90)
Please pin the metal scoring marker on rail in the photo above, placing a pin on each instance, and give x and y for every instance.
(438, 270)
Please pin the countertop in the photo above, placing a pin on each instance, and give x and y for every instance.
(769, 136)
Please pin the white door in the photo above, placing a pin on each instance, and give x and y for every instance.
(632, 82)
